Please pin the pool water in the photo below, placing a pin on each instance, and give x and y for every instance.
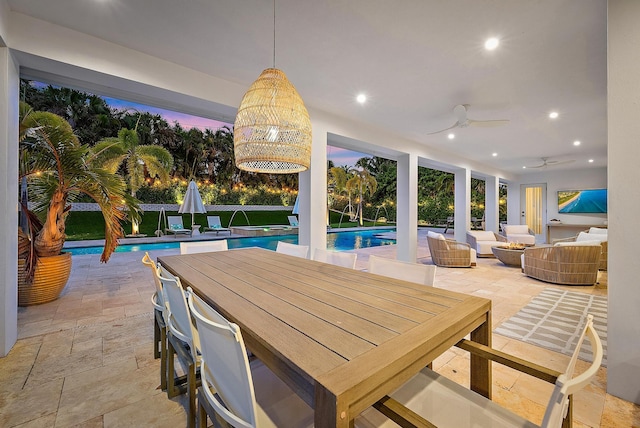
(339, 241)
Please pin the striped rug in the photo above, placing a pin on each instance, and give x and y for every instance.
(554, 320)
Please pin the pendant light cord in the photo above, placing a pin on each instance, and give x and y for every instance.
(274, 33)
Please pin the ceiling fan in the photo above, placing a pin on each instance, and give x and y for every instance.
(460, 111)
(546, 162)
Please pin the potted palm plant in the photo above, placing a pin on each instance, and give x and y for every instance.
(59, 170)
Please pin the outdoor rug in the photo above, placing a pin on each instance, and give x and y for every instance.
(554, 320)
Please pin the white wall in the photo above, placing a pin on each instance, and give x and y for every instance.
(9, 92)
(623, 373)
(587, 178)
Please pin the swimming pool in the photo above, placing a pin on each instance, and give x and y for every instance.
(338, 241)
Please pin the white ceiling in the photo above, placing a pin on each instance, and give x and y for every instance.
(415, 60)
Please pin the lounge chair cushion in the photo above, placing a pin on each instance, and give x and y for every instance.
(176, 227)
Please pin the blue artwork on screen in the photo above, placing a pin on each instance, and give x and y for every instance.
(592, 201)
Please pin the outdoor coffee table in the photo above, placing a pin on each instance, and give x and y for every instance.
(508, 256)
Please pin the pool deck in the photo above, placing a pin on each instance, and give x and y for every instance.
(86, 359)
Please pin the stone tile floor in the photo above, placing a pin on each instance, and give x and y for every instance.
(86, 360)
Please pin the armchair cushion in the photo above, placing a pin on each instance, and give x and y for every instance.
(598, 230)
(483, 235)
(584, 236)
(592, 242)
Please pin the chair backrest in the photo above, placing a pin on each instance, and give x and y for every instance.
(519, 229)
(175, 222)
(566, 384)
(347, 260)
(292, 249)
(179, 319)
(293, 220)
(225, 367)
(203, 246)
(213, 222)
(157, 298)
(413, 272)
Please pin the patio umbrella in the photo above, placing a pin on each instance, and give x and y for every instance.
(192, 201)
(295, 207)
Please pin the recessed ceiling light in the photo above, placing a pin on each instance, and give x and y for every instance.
(553, 115)
(491, 43)
(451, 136)
(590, 160)
(576, 143)
(494, 154)
(524, 167)
(361, 98)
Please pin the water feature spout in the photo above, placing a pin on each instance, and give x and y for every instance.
(234, 214)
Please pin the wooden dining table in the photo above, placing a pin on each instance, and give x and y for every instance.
(342, 339)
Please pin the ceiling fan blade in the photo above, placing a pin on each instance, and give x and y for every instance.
(455, 125)
(488, 123)
(554, 163)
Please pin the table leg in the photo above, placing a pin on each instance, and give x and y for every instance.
(481, 378)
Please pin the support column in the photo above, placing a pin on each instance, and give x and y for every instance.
(312, 194)
(491, 204)
(407, 208)
(462, 203)
(9, 96)
(623, 368)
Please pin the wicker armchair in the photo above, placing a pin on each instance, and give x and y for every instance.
(449, 253)
(565, 264)
(586, 236)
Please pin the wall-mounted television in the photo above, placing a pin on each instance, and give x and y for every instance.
(589, 201)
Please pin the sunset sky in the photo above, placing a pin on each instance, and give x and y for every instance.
(339, 156)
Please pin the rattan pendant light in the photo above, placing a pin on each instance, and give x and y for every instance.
(272, 130)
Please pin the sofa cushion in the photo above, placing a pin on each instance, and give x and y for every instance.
(483, 235)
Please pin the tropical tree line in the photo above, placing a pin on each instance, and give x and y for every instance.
(157, 159)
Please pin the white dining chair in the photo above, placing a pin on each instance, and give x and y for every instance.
(335, 258)
(412, 272)
(203, 246)
(160, 324)
(243, 394)
(183, 341)
(445, 403)
(292, 249)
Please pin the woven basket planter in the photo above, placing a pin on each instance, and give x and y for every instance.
(52, 274)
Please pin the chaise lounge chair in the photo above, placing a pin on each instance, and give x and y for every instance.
(176, 226)
(214, 225)
(293, 220)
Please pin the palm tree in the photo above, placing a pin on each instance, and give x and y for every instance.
(124, 150)
(361, 181)
(59, 171)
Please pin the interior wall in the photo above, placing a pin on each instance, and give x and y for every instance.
(587, 178)
(4, 17)
(623, 372)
